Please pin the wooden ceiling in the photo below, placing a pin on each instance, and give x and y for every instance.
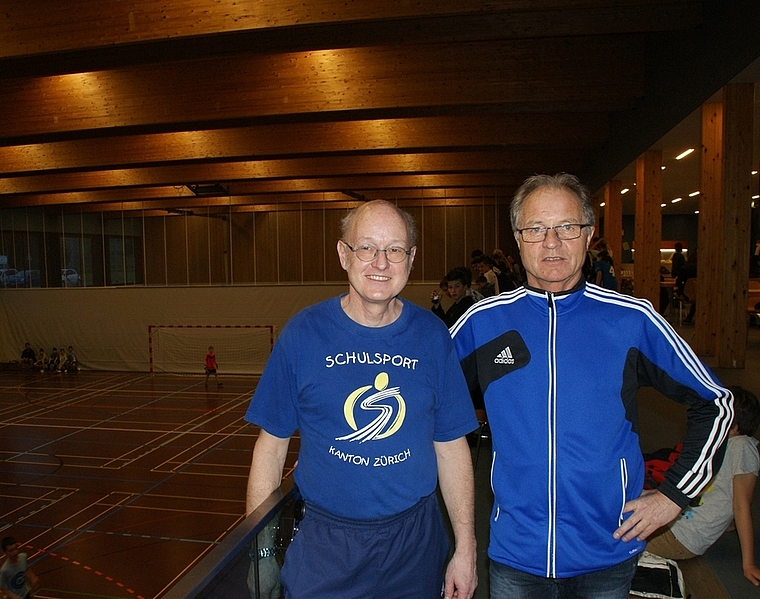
(130, 104)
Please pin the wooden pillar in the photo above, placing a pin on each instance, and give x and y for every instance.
(613, 222)
(646, 270)
(710, 232)
(738, 101)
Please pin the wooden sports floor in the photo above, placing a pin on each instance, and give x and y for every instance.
(116, 484)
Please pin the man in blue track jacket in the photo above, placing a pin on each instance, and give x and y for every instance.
(558, 363)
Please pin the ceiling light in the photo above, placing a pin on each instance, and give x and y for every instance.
(663, 205)
(696, 212)
(601, 205)
(756, 197)
(753, 172)
(674, 200)
(693, 193)
(684, 154)
(624, 190)
(662, 168)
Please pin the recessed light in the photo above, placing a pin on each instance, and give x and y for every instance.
(663, 205)
(693, 193)
(684, 154)
(674, 200)
(601, 205)
(624, 190)
(696, 212)
(754, 172)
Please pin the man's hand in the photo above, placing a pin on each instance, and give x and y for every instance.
(647, 513)
(461, 577)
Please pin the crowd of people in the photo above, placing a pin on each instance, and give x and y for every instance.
(59, 360)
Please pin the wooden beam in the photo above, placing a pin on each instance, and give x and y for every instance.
(710, 232)
(220, 90)
(646, 273)
(738, 125)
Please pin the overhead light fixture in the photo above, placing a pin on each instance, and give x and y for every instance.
(663, 167)
(674, 200)
(663, 205)
(753, 173)
(601, 205)
(684, 154)
(624, 190)
(693, 193)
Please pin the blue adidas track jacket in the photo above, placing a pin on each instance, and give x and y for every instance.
(559, 375)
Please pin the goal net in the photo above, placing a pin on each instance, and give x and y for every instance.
(239, 349)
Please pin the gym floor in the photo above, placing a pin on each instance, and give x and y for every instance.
(115, 484)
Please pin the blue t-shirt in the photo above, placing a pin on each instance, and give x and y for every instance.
(368, 404)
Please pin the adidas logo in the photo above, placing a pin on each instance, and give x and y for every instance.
(504, 357)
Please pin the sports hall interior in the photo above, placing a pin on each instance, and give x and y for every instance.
(173, 175)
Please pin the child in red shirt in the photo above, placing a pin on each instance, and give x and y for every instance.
(211, 366)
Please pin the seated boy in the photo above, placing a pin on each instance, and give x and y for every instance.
(728, 498)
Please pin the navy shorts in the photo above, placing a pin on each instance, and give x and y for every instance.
(400, 557)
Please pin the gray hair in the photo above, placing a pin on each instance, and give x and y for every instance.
(560, 181)
(411, 227)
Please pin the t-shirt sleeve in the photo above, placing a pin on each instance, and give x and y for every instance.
(455, 414)
(748, 460)
(273, 406)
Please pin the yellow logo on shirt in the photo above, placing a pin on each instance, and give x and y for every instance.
(384, 424)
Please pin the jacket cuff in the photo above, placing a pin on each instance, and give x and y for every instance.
(671, 492)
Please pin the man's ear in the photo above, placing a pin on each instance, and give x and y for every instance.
(590, 236)
(342, 254)
(411, 257)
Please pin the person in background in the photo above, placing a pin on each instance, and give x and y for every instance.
(28, 357)
(569, 516)
(372, 384)
(458, 285)
(42, 360)
(677, 260)
(605, 272)
(726, 502)
(54, 362)
(483, 265)
(17, 581)
(70, 364)
(211, 366)
(481, 285)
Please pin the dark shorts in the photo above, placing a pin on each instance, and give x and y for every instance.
(209, 371)
(401, 557)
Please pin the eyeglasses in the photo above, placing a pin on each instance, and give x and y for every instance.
(367, 253)
(564, 232)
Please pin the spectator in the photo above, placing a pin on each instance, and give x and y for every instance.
(458, 285)
(42, 360)
(28, 357)
(17, 581)
(482, 286)
(726, 501)
(70, 363)
(372, 384)
(483, 265)
(605, 272)
(54, 363)
(677, 260)
(569, 515)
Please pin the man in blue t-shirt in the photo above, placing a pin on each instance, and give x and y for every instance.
(373, 386)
